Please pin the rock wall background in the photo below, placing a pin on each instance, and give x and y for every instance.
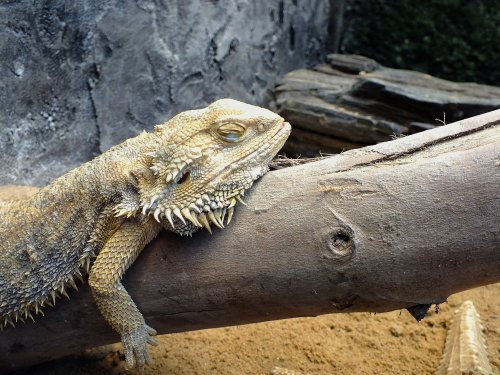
(79, 77)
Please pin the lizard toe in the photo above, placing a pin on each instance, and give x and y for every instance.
(151, 331)
(128, 351)
(152, 341)
(135, 346)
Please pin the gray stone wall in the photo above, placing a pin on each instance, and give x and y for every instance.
(77, 77)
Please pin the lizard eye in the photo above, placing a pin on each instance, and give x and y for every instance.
(231, 132)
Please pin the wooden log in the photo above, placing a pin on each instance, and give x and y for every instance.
(310, 145)
(401, 224)
(354, 99)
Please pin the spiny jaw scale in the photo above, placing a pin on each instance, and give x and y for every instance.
(216, 209)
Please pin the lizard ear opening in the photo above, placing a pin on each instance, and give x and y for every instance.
(184, 177)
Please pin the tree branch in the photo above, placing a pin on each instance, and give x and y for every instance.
(400, 224)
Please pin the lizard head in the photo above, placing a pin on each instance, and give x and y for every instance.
(205, 160)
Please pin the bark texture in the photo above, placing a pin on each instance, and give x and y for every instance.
(401, 224)
(352, 101)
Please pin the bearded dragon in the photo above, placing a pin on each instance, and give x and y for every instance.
(187, 174)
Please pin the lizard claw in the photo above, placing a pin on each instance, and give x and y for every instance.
(135, 346)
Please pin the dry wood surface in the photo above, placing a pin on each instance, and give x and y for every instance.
(401, 224)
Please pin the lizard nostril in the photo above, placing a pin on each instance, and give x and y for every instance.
(183, 178)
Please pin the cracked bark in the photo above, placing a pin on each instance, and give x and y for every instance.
(401, 224)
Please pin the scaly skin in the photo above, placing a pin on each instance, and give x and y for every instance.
(465, 349)
(188, 173)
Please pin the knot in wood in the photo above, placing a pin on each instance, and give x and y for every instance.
(340, 242)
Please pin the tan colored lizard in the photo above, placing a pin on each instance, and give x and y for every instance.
(187, 174)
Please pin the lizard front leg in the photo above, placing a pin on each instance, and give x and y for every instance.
(113, 301)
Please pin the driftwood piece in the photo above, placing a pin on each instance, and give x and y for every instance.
(400, 224)
(353, 101)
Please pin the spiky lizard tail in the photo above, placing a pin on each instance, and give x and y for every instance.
(465, 349)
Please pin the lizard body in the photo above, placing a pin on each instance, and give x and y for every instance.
(187, 174)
